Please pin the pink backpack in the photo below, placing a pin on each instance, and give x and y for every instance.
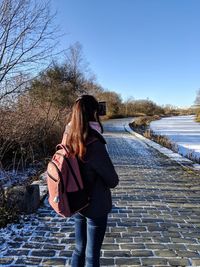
(66, 191)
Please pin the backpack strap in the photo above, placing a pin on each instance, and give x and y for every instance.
(62, 147)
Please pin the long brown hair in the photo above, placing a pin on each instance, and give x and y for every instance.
(84, 110)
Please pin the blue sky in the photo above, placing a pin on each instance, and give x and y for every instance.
(138, 48)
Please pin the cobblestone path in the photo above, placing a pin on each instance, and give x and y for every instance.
(155, 219)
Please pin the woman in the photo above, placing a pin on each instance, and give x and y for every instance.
(84, 140)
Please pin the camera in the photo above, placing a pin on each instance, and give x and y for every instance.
(102, 108)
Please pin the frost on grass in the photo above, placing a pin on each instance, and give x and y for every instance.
(8, 178)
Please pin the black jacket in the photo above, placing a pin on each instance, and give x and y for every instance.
(99, 176)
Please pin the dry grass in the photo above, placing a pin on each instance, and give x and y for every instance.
(29, 133)
(144, 120)
(141, 124)
(160, 139)
(198, 116)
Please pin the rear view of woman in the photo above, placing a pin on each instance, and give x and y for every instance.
(84, 140)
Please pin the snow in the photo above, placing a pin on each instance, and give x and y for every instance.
(183, 131)
(8, 178)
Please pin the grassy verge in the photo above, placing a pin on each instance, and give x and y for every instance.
(142, 126)
(198, 117)
(160, 139)
(197, 113)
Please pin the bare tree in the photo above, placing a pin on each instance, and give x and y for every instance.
(26, 41)
(77, 67)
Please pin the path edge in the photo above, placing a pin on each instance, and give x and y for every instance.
(183, 161)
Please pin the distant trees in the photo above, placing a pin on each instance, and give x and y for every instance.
(148, 107)
(141, 107)
(26, 41)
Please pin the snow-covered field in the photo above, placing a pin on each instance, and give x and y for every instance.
(183, 131)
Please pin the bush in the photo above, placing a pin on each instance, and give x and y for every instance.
(141, 124)
(144, 121)
(29, 133)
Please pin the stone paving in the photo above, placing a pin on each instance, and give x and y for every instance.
(155, 220)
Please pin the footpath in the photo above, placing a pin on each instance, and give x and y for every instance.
(155, 220)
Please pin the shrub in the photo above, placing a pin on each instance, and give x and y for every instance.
(141, 125)
(144, 121)
(29, 133)
(160, 139)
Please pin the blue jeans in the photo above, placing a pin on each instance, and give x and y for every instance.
(89, 235)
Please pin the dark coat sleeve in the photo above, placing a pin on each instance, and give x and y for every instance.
(101, 163)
